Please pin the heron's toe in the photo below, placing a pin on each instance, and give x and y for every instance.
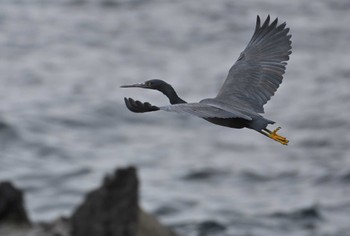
(273, 135)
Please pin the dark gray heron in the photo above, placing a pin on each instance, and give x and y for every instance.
(250, 83)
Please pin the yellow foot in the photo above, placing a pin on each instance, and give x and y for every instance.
(273, 135)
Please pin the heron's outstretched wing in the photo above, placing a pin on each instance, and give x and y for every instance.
(259, 70)
(197, 109)
(203, 111)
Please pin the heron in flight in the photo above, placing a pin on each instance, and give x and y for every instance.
(250, 83)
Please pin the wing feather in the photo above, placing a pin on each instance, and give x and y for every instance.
(258, 72)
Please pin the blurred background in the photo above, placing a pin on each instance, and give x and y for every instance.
(64, 125)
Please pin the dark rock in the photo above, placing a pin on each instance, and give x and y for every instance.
(112, 209)
(12, 209)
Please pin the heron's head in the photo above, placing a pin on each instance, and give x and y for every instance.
(161, 86)
(156, 84)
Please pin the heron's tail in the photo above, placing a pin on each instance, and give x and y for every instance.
(260, 123)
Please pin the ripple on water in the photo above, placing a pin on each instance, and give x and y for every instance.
(8, 134)
(205, 174)
(308, 217)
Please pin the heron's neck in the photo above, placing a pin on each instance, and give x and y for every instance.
(171, 94)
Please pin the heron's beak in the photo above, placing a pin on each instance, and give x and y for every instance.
(141, 85)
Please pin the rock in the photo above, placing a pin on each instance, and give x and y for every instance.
(12, 209)
(112, 210)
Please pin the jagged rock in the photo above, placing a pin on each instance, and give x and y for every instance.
(111, 209)
(12, 209)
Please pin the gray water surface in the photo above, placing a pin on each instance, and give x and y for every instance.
(63, 123)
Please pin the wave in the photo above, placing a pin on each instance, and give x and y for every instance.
(8, 134)
(205, 227)
(342, 177)
(311, 212)
(260, 177)
(205, 174)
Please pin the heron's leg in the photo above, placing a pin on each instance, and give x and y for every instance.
(273, 135)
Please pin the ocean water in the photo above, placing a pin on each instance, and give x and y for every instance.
(64, 125)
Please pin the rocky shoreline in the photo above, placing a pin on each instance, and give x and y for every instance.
(110, 210)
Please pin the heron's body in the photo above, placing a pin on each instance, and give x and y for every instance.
(251, 82)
